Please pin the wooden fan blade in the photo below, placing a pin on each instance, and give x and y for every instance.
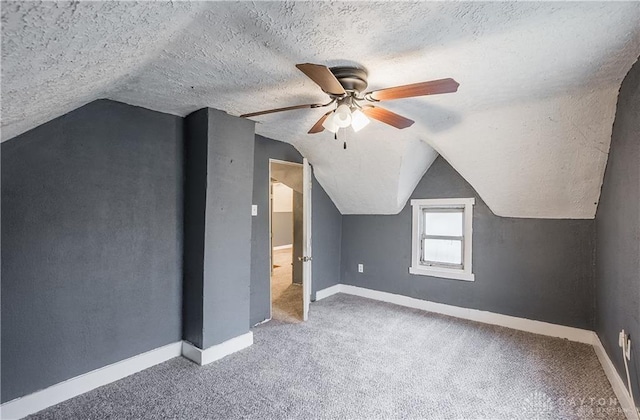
(288, 108)
(317, 127)
(323, 78)
(433, 87)
(387, 117)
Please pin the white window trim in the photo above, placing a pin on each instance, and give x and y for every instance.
(449, 273)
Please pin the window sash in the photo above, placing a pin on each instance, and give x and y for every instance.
(424, 236)
(426, 210)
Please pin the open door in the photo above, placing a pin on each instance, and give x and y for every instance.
(306, 239)
(290, 237)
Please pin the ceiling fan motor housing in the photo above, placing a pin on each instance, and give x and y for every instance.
(352, 79)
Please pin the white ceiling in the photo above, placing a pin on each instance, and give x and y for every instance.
(529, 127)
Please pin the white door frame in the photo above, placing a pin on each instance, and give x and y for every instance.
(306, 224)
(307, 180)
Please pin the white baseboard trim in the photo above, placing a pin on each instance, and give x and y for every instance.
(522, 324)
(32, 403)
(329, 291)
(264, 321)
(217, 352)
(618, 385)
(276, 248)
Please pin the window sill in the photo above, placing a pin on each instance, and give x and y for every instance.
(442, 273)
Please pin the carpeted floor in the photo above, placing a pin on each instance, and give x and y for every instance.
(286, 296)
(361, 359)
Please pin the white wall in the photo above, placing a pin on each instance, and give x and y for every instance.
(282, 198)
(282, 217)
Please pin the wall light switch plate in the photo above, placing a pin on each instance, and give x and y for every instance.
(360, 268)
(254, 209)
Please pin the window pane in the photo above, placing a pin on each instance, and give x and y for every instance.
(444, 223)
(442, 250)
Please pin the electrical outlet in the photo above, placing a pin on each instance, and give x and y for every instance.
(254, 209)
(360, 268)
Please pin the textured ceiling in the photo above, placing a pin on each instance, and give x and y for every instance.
(529, 127)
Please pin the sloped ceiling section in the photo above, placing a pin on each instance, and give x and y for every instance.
(289, 175)
(529, 127)
(58, 56)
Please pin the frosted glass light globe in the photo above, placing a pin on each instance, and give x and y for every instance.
(342, 116)
(330, 124)
(358, 120)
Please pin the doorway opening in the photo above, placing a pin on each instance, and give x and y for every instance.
(286, 215)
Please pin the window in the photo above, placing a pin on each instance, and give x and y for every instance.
(442, 238)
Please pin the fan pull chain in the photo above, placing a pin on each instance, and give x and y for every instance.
(346, 134)
(335, 137)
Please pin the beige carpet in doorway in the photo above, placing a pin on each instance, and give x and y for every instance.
(286, 296)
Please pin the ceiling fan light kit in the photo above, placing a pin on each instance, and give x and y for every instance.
(343, 117)
(345, 87)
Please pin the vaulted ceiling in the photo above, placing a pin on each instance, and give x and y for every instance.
(529, 127)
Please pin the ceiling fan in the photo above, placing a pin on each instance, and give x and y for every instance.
(346, 89)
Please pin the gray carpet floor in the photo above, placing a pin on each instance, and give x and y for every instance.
(361, 359)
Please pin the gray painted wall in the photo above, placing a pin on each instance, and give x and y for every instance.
(326, 226)
(222, 228)
(531, 268)
(618, 234)
(326, 240)
(91, 234)
(195, 203)
(282, 228)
